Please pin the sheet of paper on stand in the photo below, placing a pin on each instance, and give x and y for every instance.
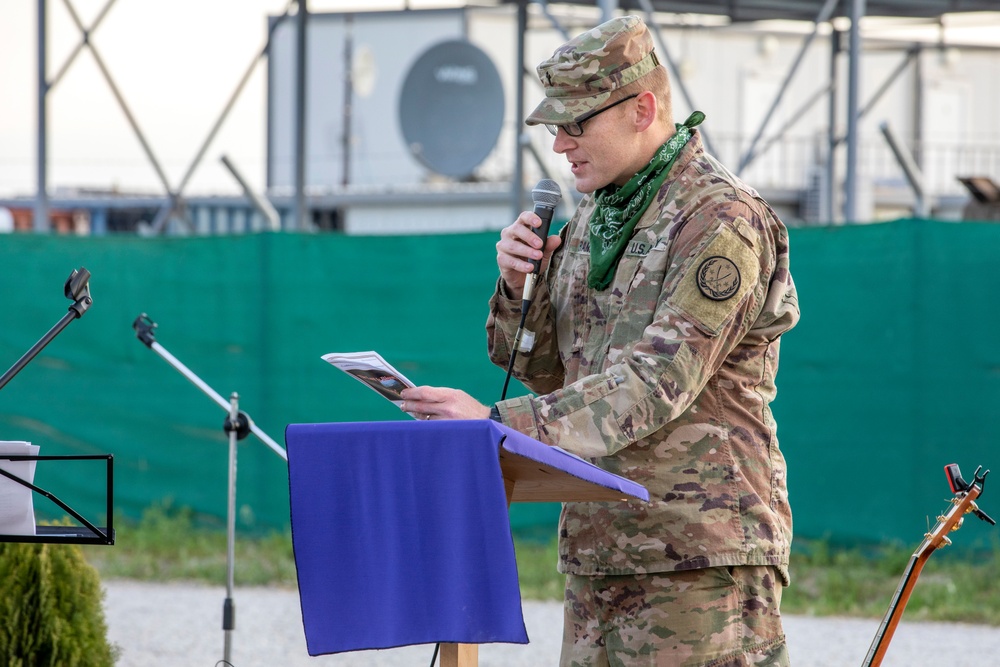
(17, 515)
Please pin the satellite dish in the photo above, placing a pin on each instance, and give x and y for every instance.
(451, 108)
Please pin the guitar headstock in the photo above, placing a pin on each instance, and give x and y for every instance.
(963, 502)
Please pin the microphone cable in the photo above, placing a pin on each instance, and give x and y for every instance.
(545, 196)
(525, 304)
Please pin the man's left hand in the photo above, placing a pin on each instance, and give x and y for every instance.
(442, 403)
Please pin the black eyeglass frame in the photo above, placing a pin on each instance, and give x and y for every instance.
(575, 128)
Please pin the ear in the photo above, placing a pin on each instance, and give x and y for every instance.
(645, 110)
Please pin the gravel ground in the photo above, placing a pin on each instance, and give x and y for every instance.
(180, 625)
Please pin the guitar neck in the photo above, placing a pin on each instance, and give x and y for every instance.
(962, 502)
(895, 612)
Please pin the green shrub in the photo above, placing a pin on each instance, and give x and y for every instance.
(51, 611)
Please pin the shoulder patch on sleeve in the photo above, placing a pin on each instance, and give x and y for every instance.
(716, 281)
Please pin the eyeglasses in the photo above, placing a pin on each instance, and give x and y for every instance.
(575, 128)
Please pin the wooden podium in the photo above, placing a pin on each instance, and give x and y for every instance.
(401, 530)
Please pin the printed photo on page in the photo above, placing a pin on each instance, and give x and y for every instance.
(372, 370)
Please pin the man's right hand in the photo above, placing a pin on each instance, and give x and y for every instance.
(518, 246)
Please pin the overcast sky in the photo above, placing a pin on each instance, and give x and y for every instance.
(176, 64)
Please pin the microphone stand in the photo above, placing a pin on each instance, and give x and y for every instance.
(237, 426)
(144, 331)
(77, 288)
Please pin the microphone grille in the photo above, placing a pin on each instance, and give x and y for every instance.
(546, 193)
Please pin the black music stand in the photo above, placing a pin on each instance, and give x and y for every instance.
(77, 288)
(88, 533)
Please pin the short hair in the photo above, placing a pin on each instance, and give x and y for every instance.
(656, 82)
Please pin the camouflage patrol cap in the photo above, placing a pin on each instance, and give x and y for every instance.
(582, 73)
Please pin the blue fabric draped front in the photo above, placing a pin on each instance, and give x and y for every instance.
(401, 535)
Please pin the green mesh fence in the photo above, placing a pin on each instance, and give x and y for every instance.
(890, 375)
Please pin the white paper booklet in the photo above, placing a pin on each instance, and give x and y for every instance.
(373, 371)
(17, 513)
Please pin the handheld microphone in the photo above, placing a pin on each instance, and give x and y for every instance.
(545, 196)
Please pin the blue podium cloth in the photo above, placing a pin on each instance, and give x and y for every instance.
(401, 534)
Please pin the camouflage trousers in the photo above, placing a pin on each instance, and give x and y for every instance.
(712, 617)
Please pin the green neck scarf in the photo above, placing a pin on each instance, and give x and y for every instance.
(619, 208)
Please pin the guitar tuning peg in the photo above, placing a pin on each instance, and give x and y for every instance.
(983, 515)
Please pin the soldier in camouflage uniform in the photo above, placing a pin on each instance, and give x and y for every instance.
(656, 335)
